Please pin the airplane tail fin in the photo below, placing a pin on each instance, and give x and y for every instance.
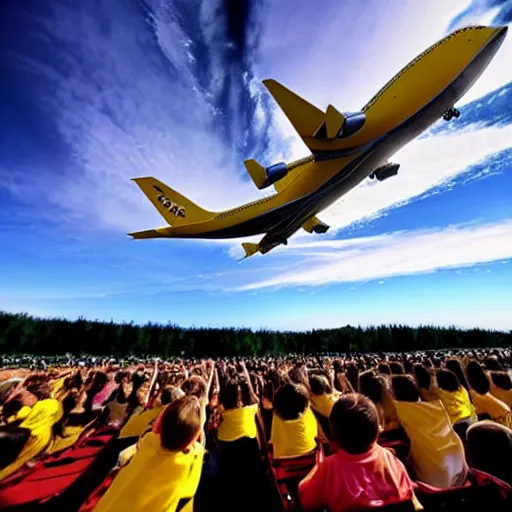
(175, 208)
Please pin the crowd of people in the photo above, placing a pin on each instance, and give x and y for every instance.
(211, 434)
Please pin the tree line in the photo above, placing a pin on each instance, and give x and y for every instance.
(22, 333)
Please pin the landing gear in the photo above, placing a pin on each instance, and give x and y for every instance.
(451, 113)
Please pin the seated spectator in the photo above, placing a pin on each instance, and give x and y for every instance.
(425, 383)
(241, 472)
(165, 471)
(294, 427)
(140, 424)
(376, 387)
(486, 405)
(361, 474)
(323, 396)
(501, 387)
(45, 413)
(490, 448)
(437, 453)
(456, 401)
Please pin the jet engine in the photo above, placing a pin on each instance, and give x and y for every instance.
(385, 171)
(265, 176)
(339, 126)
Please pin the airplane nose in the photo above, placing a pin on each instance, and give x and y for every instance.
(501, 32)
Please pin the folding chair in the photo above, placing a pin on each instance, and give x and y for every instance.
(480, 492)
(289, 471)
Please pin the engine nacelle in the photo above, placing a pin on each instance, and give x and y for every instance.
(339, 126)
(385, 171)
(354, 121)
(265, 176)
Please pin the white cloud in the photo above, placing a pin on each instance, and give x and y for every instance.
(425, 165)
(393, 254)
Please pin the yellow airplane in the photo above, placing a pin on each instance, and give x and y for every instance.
(346, 148)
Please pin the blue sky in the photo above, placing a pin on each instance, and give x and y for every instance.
(95, 93)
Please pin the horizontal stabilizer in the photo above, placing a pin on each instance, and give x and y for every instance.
(250, 249)
(305, 118)
(144, 235)
(314, 225)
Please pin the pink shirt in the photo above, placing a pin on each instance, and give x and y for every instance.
(343, 481)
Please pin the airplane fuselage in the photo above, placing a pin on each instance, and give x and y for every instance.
(405, 107)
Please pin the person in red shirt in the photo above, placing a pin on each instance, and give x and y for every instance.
(360, 474)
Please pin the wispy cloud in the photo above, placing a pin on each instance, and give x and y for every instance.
(127, 102)
(426, 166)
(393, 254)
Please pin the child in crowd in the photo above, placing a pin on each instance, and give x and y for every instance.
(164, 473)
(294, 426)
(437, 452)
(361, 474)
(487, 406)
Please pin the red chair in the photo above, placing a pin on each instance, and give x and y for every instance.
(289, 471)
(480, 492)
(54, 475)
(97, 494)
(397, 441)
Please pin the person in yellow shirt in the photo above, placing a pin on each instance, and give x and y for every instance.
(240, 468)
(501, 387)
(426, 384)
(42, 417)
(455, 399)
(486, 405)
(437, 453)
(376, 388)
(323, 397)
(164, 474)
(294, 426)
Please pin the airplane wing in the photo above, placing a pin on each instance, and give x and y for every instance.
(308, 120)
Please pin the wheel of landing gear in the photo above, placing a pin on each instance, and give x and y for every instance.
(447, 116)
(456, 113)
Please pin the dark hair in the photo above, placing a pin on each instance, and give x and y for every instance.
(384, 368)
(195, 386)
(299, 375)
(447, 380)
(477, 378)
(170, 393)
(229, 394)
(11, 407)
(396, 368)
(181, 423)
(320, 385)
(456, 367)
(12, 441)
(423, 376)
(502, 380)
(371, 386)
(354, 423)
(290, 401)
(491, 363)
(405, 389)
